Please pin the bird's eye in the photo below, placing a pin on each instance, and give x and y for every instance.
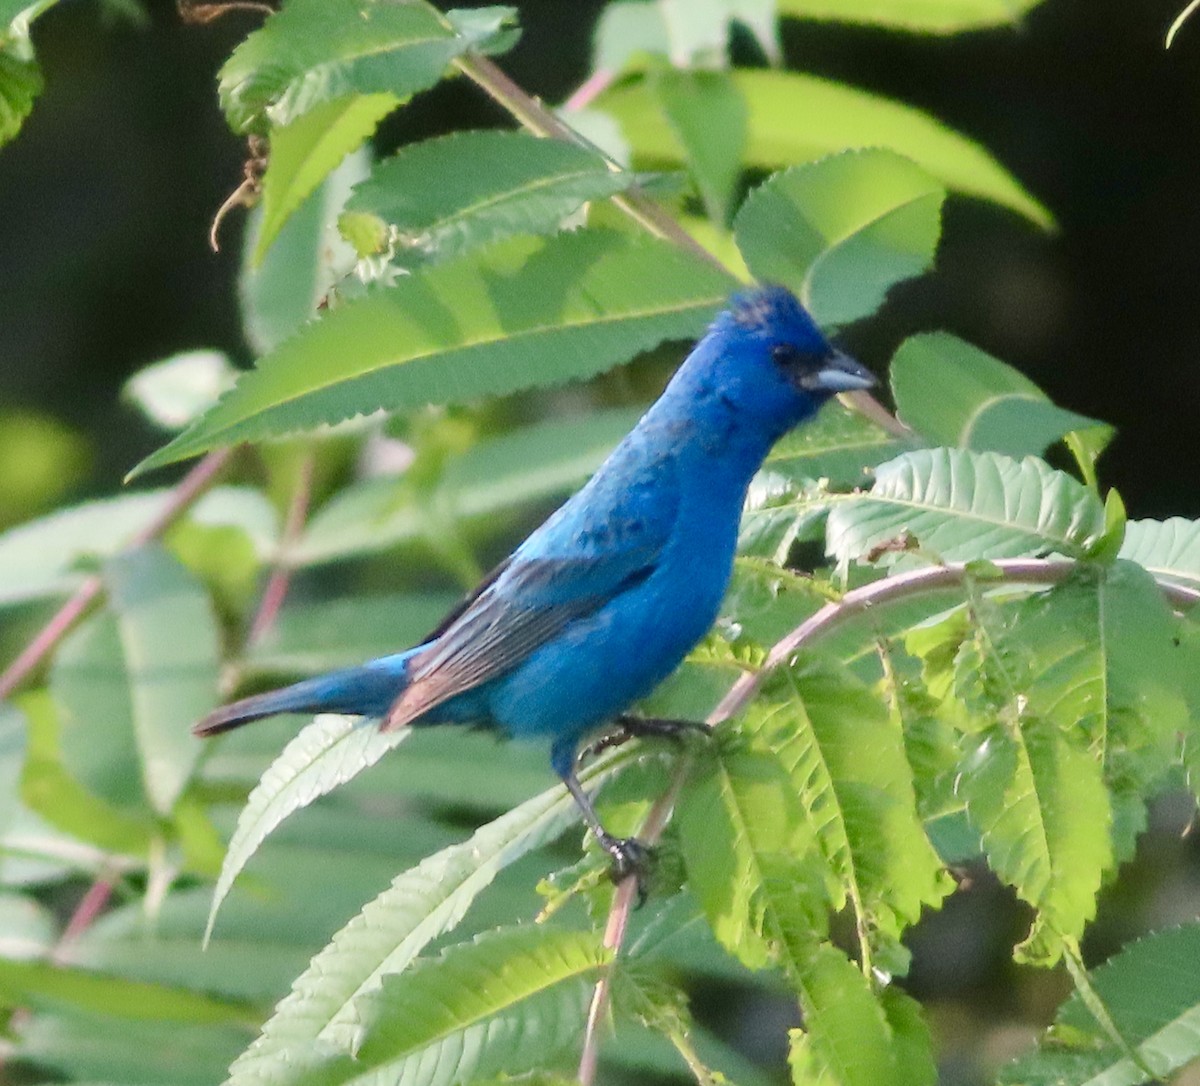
(784, 354)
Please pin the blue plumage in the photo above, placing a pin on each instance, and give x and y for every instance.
(604, 600)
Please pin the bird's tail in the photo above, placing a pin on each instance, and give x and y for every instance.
(362, 691)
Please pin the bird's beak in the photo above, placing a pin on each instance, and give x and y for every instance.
(839, 373)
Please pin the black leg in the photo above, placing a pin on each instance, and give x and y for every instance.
(629, 855)
(640, 727)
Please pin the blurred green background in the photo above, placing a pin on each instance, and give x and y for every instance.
(109, 190)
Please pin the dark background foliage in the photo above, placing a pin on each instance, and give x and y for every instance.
(110, 187)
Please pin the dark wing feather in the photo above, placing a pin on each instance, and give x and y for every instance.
(528, 603)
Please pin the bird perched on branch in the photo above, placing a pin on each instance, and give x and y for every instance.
(605, 599)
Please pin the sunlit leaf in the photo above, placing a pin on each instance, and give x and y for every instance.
(794, 118)
(842, 230)
(175, 391)
(925, 16)
(306, 150)
(981, 403)
(960, 506)
(1170, 549)
(524, 313)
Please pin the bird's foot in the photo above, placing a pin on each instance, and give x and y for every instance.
(630, 858)
(641, 727)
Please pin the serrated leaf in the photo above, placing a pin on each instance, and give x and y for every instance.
(1150, 993)
(315, 51)
(442, 197)
(923, 16)
(795, 118)
(524, 313)
(843, 230)
(317, 1021)
(306, 150)
(329, 752)
(981, 403)
(962, 506)
(852, 1035)
(1169, 549)
(480, 1007)
(1040, 805)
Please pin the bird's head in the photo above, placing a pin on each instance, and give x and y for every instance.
(765, 359)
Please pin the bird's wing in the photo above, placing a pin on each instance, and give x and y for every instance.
(604, 542)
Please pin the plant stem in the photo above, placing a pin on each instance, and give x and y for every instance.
(194, 484)
(280, 579)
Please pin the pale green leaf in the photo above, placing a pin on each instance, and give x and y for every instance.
(843, 230)
(794, 118)
(306, 150)
(981, 403)
(317, 1021)
(960, 506)
(315, 51)
(282, 292)
(174, 392)
(523, 313)
(27, 929)
(1170, 549)
(326, 754)
(480, 1007)
(923, 16)
(853, 1035)
(439, 198)
(1039, 803)
(708, 117)
(1149, 993)
(43, 557)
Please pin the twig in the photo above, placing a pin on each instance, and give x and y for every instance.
(280, 579)
(198, 480)
(590, 89)
(1031, 571)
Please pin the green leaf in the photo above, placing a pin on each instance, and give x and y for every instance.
(20, 84)
(480, 1007)
(49, 790)
(43, 985)
(794, 118)
(1151, 994)
(1170, 549)
(27, 929)
(862, 810)
(854, 1036)
(708, 117)
(962, 506)
(140, 674)
(174, 392)
(692, 35)
(327, 753)
(41, 559)
(432, 200)
(843, 230)
(524, 313)
(315, 51)
(981, 403)
(1039, 803)
(922, 16)
(306, 150)
(318, 1020)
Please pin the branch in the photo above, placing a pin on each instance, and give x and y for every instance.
(194, 484)
(861, 601)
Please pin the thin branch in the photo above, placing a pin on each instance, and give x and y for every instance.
(280, 579)
(861, 601)
(194, 484)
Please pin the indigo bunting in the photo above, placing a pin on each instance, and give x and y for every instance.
(605, 599)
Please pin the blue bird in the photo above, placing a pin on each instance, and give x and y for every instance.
(604, 600)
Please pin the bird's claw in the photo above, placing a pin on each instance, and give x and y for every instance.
(630, 858)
